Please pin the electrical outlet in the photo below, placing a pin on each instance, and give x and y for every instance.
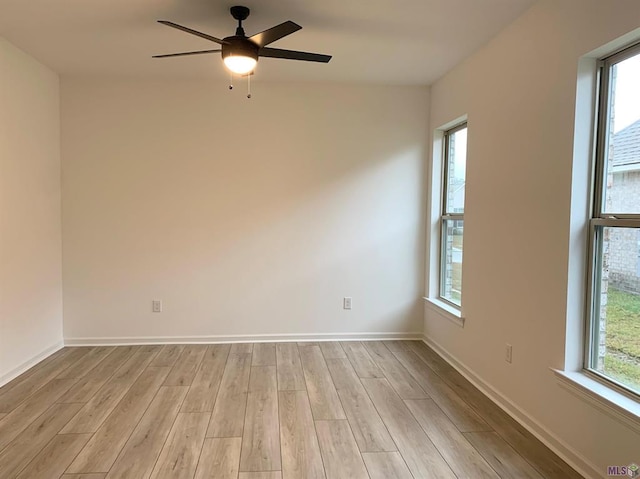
(508, 353)
(346, 303)
(156, 306)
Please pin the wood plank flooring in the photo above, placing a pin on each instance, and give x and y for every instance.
(329, 410)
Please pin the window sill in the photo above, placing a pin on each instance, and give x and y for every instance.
(445, 310)
(607, 400)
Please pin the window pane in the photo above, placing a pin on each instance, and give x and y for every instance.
(451, 275)
(622, 174)
(456, 171)
(616, 349)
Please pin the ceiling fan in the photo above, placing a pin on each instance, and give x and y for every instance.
(240, 53)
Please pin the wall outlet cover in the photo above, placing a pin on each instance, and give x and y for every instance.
(156, 306)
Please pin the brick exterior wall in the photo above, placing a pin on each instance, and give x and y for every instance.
(624, 251)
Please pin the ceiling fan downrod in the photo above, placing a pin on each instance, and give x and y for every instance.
(240, 13)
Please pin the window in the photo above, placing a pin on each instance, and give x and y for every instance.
(613, 350)
(452, 217)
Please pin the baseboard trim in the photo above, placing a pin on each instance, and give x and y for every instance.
(15, 372)
(240, 338)
(566, 452)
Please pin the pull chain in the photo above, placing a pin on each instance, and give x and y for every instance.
(230, 81)
(249, 85)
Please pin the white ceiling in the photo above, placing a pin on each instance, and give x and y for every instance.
(377, 41)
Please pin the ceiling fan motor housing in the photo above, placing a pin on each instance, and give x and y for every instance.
(239, 46)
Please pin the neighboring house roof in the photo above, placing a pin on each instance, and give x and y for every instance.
(626, 146)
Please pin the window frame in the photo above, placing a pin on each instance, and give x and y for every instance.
(445, 215)
(600, 219)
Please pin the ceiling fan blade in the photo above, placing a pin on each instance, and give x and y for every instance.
(184, 54)
(293, 55)
(275, 33)
(193, 32)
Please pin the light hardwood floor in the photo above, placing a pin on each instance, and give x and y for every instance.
(378, 410)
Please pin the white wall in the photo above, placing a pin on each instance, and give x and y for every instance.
(520, 96)
(246, 217)
(30, 249)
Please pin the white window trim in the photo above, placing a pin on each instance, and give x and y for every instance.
(573, 377)
(602, 396)
(446, 310)
(432, 299)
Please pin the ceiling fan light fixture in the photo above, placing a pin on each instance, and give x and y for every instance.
(239, 52)
(240, 64)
